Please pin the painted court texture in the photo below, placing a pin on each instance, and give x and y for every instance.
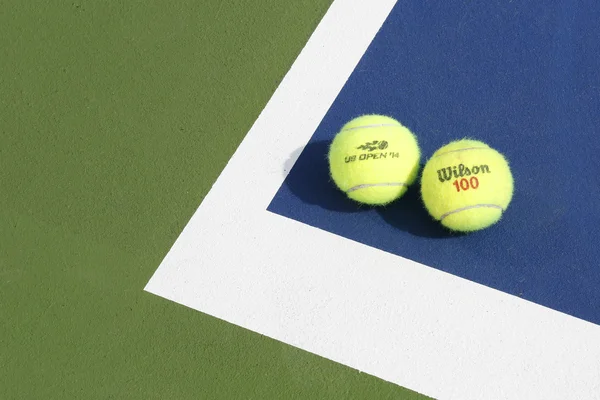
(193, 137)
(387, 291)
(520, 78)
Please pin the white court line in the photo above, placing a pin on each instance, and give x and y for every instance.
(404, 322)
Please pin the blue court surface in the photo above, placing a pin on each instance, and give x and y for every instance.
(523, 77)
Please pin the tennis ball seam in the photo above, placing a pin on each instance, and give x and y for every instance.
(457, 150)
(368, 185)
(353, 128)
(483, 205)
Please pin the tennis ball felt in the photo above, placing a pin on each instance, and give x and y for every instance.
(467, 185)
(373, 159)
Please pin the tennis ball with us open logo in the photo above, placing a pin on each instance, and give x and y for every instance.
(373, 159)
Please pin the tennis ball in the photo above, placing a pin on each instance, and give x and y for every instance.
(467, 185)
(373, 159)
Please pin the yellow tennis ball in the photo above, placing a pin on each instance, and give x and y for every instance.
(373, 159)
(467, 185)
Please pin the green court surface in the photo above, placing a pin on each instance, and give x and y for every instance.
(115, 119)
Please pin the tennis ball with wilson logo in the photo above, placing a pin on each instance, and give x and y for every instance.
(467, 185)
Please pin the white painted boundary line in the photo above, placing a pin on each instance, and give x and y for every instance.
(387, 316)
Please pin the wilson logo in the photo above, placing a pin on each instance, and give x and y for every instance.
(459, 171)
